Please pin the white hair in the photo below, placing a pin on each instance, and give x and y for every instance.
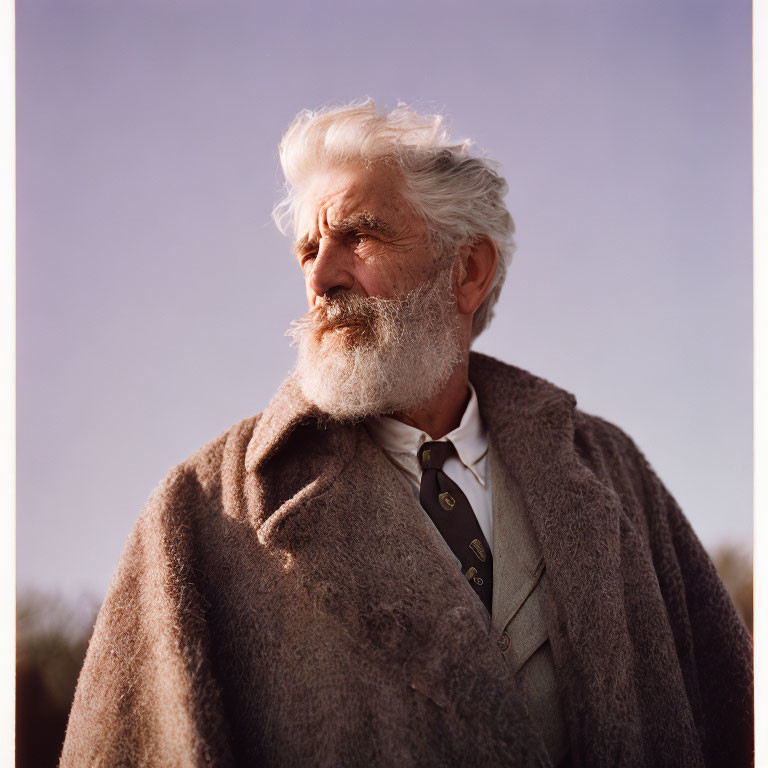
(459, 197)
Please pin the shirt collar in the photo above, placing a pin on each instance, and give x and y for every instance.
(469, 438)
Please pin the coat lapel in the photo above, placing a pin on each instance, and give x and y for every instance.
(295, 454)
(531, 424)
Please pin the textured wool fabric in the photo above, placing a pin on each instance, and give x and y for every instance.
(283, 600)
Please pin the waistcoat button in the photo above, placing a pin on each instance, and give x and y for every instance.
(504, 642)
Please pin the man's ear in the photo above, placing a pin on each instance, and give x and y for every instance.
(475, 274)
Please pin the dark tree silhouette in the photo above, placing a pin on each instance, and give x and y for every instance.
(51, 639)
(734, 564)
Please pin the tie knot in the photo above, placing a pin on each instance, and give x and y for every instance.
(432, 455)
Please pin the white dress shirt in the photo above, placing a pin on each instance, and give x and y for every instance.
(468, 468)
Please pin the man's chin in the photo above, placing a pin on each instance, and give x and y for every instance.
(340, 382)
(353, 386)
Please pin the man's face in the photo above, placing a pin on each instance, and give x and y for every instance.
(357, 233)
(382, 334)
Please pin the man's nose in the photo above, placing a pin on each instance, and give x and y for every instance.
(332, 268)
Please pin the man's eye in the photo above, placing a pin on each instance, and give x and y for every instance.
(307, 260)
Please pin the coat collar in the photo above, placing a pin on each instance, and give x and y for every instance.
(520, 410)
(504, 392)
(286, 411)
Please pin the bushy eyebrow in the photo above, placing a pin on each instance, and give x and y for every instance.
(363, 220)
(357, 221)
(300, 245)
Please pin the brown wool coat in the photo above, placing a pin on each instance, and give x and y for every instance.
(281, 601)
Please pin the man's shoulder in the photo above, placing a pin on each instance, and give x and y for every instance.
(610, 452)
(218, 463)
(229, 447)
(523, 390)
(605, 435)
(221, 464)
(544, 412)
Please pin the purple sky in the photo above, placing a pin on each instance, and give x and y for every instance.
(154, 291)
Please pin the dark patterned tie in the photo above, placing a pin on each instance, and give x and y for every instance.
(452, 514)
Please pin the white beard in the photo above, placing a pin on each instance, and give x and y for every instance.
(367, 356)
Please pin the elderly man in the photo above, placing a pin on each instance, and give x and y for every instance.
(416, 555)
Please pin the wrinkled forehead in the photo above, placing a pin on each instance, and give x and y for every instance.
(337, 194)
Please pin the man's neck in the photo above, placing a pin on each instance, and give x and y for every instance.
(442, 413)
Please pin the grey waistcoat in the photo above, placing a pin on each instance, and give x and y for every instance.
(518, 618)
